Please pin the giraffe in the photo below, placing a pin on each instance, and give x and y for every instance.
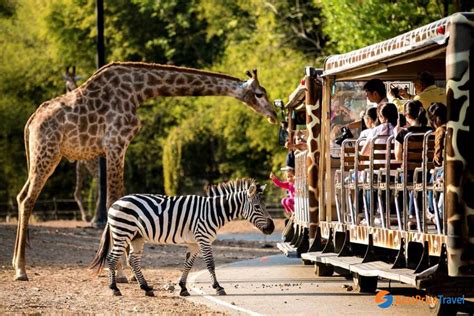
(91, 166)
(99, 119)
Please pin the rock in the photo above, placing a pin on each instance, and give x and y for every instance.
(169, 287)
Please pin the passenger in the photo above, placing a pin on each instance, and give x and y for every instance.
(395, 98)
(415, 116)
(388, 118)
(370, 119)
(288, 202)
(402, 121)
(426, 90)
(376, 93)
(299, 144)
(437, 114)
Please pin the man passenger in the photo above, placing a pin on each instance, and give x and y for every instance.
(427, 91)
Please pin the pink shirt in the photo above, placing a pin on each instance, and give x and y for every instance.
(285, 185)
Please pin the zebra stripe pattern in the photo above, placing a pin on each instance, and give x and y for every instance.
(192, 220)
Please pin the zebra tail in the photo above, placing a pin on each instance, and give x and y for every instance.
(101, 256)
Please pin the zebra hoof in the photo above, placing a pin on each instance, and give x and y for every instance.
(184, 293)
(122, 279)
(116, 292)
(132, 279)
(149, 293)
(221, 292)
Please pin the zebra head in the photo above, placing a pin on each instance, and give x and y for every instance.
(255, 211)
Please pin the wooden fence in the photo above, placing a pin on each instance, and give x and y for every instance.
(67, 209)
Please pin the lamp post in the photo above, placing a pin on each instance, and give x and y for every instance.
(101, 217)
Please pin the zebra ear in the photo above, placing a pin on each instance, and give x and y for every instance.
(252, 190)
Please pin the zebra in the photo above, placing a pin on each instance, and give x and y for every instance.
(192, 220)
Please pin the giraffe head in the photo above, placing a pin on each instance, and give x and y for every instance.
(70, 78)
(256, 97)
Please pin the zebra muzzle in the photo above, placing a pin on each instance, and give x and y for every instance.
(269, 228)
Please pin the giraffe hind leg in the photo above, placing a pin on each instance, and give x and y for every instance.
(20, 197)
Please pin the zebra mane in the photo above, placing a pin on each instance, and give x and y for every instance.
(232, 186)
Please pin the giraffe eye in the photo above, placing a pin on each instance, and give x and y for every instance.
(259, 95)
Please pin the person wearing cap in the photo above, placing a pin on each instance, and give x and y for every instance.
(427, 91)
(287, 202)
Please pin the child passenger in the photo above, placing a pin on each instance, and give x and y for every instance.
(288, 202)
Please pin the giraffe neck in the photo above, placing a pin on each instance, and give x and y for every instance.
(139, 82)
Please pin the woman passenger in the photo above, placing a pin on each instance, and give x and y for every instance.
(415, 115)
(437, 114)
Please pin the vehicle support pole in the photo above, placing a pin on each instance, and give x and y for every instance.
(459, 164)
(313, 123)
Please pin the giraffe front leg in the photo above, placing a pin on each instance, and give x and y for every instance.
(37, 177)
(191, 255)
(206, 251)
(134, 258)
(115, 165)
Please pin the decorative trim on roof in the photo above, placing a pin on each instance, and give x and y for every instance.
(433, 33)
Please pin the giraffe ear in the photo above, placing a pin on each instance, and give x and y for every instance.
(248, 74)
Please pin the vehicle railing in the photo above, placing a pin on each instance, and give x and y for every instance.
(347, 158)
(421, 181)
(301, 216)
(412, 159)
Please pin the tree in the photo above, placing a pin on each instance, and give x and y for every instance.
(351, 25)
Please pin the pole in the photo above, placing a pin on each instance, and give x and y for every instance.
(313, 112)
(101, 217)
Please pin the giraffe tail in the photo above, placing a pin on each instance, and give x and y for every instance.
(100, 258)
(26, 139)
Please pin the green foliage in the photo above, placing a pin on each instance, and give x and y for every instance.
(184, 143)
(354, 24)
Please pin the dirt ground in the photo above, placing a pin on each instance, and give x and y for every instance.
(60, 282)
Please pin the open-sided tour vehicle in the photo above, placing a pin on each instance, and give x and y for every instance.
(337, 225)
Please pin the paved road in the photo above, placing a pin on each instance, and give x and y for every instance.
(277, 285)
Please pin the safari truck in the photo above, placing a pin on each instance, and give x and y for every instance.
(352, 210)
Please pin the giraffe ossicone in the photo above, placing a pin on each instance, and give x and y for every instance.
(99, 119)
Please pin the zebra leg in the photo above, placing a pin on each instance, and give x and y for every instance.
(193, 251)
(121, 265)
(206, 251)
(134, 258)
(112, 259)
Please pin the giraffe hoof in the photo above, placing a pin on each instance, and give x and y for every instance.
(221, 292)
(121, 279)
(21, 276)
(116, 292)
(150, 293)
(184, 293)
